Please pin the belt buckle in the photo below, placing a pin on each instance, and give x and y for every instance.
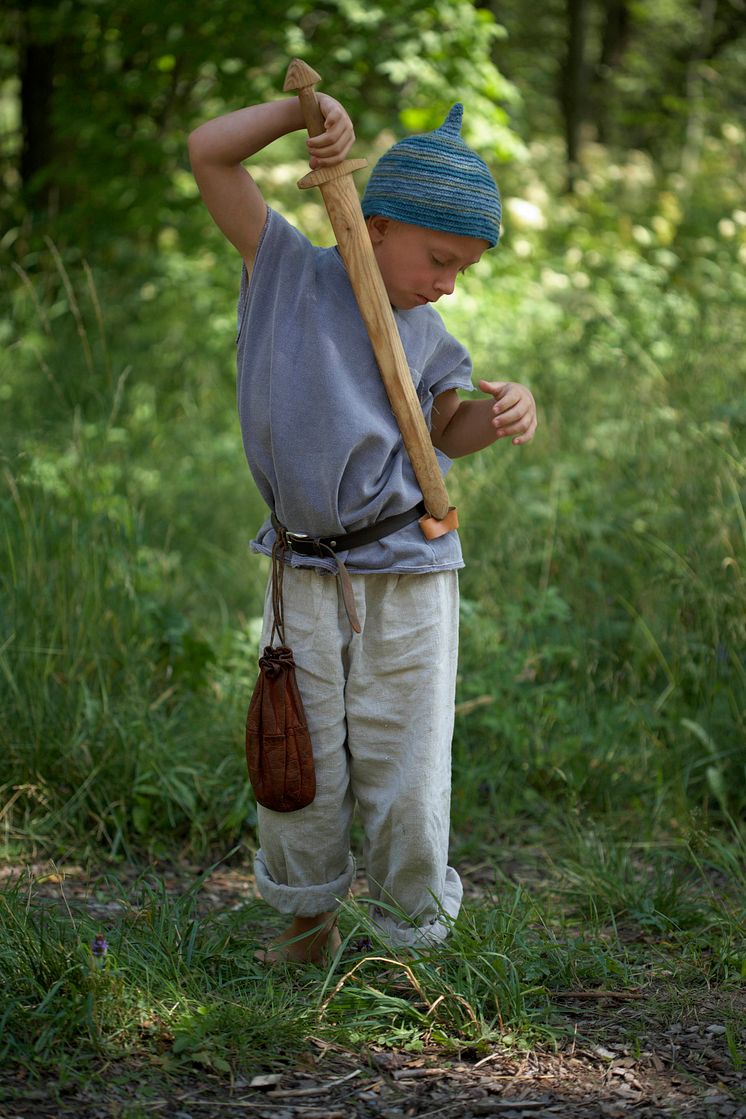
(302, 538)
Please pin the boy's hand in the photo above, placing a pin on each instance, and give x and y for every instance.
(513, 411)
(332, 145)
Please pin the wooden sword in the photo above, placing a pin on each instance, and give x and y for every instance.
(346, 216)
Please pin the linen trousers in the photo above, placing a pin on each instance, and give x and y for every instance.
(379, 706)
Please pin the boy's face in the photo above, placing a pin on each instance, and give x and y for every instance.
(419, 265)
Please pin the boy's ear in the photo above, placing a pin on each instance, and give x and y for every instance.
(378, 227)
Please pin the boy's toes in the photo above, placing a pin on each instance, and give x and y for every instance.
(273, 956)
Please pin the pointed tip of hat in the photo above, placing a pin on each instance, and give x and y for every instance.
(452, 124)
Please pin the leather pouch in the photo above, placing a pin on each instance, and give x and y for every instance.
(279, 753)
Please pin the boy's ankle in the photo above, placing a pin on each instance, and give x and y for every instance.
(307, 940)
(319, 924)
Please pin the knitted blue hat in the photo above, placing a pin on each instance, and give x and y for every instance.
(436, 181)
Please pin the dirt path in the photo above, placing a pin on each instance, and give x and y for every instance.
(672, 1078)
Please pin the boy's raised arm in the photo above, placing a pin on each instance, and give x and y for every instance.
(218, 148)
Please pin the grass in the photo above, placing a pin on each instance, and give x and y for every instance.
(170, 982)
(599, 759)
(180, 984)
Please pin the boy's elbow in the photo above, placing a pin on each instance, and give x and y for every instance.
(446, 447)
(194, 144)
(441, 442)
(200, 144)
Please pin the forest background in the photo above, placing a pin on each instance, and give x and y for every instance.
(600, 735)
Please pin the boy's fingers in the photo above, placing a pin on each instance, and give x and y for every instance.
(505, 391)
(330, 147)
(516, 420)
(335, 122)
(513, 413)
(334, 131)
(493, 387)
(323, 145)
(515, 427)
(333, 143)
(505, 407)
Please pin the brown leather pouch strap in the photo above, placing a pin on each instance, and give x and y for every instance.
(278, 567)
(348, 596)
(278, 571)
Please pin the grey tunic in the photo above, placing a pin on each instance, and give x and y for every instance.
(321, 441)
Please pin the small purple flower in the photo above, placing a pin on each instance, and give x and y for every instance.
(99, 948)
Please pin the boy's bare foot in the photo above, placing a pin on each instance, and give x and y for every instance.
(308, 940)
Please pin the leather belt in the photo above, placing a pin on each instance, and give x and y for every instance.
(326, 547)
(305, 545)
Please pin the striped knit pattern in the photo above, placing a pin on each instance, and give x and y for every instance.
(436, 181)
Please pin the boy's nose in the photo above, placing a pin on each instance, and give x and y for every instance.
(445, 284)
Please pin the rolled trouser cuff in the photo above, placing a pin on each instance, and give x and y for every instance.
(399, 934)
(303, 901)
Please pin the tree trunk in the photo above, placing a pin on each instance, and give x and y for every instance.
(614, 42)
(36, 74)
(573, 86)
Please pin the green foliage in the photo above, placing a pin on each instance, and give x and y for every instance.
(87, 719)
(109, 683)
(611, 641)
(149, 75)
(656, 77)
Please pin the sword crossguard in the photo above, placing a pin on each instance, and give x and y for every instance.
(328, 174)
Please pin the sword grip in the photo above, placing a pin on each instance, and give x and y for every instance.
(301, 78)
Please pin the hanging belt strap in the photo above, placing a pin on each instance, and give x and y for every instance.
(327, 547)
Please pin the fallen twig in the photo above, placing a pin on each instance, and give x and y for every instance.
(597, 994)
(376, 959)
(286, 1093)
(418, 1073)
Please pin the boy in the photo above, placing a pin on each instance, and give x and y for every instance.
(327, 456)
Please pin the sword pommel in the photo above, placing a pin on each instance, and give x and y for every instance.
(299, 75)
